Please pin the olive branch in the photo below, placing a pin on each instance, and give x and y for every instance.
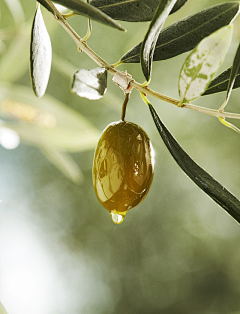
(83, 46)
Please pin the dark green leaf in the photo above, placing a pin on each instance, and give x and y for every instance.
(199, 176)
(131, 11)
(149, 42)
(178, 5)
(234, 72)
(83, 8)
(220, 83)
(186, 33)
(46, 5)
(91, 84)
(40, 55)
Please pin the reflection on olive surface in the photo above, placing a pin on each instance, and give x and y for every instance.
(123, 166)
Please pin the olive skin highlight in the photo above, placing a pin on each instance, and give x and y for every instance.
(122, 167)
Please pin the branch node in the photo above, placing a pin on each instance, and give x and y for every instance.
(123, 80)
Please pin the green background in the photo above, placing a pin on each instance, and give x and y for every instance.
(177, 252)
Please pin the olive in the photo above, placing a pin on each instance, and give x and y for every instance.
(122, 168)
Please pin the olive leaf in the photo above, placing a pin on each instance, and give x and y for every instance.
(221, 82)
(83, 8)
(40, 55)
(91, 84)
(199, 176)
(65, 163)
(233, 73)
(132, 11)
(45, 121)
(186, 33)
(16, 9)
(18, 49)
(178, 5)
(2, 310)
(46, 5)
(202, 63)
(110, 99)
(150, 39)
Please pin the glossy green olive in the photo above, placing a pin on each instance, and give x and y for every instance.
(122, 167)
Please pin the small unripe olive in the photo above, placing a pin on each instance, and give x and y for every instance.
(122, 168)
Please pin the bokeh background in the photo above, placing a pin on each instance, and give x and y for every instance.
(177, 252)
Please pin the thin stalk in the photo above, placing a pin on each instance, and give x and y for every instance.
(229, 125)
(82, 46)
(124, 106)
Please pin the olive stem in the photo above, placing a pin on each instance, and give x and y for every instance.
(82, 46)
(124, 106)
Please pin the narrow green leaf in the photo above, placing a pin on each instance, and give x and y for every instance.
(149, 42)
(46, 5)
(65, 163)
(202, 63)
(178, 5)
(16, 9)
(221, 82)
(234, 72)
(63, 66)
(199, 176)
(91, 84)
(186, 33)
(2, 310)
(132, 11)
(45, 121)
(16, 51)
(40, 55)
(83, 8)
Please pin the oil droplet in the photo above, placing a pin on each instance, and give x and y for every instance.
(117, 217)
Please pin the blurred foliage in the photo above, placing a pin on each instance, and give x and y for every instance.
(177, 252)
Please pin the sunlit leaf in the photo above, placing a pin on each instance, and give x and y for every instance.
(131, 11)
(16, 51)
(200, 66)
(91, 84)
(15, 7)
(65, 163)
(83, 8)
(150, 39)
(45, 121)
(186, 33)
(2, 47)
(199, 176)
(110, 99)
(220, 83)
(40, 55)
(2, 310)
